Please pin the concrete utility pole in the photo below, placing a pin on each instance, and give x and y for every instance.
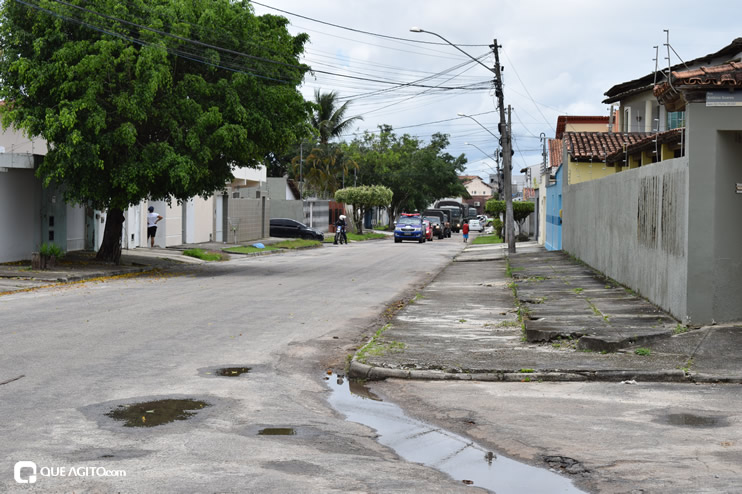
(507, 154)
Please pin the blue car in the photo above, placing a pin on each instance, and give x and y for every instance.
(409, 227)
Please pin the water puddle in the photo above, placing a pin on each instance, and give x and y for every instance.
(154, 413)
(691, 420)
(455, 455)
(277, 431)
(232, 371)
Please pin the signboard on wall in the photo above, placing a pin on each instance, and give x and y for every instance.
(723, 98)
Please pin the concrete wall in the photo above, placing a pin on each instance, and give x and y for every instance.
(250, 218)
(20, 196)
(632, 227)
(714, 149)
(287, 209)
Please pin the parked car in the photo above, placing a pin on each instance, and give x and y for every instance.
(286, 227)
(409, 226)
(438, 230)
(428, 229)
(475, 225)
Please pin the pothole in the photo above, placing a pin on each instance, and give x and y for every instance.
(232, 371)
(154, 413)
(277, 431)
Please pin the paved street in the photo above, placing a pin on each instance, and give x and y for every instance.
(84, 349)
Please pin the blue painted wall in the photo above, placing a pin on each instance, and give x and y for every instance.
(553, 240)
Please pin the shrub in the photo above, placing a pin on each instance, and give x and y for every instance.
(49, 250)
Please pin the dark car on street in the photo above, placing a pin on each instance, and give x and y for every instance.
(435, 222)
(286, 227)
(445, 217)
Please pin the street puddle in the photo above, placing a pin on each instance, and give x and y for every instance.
(232, 371)
(691, 420)
(154, 413)
(455, 455)
(277, 431)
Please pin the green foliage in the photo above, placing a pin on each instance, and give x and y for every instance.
(129, 120)
(328, 118)
(521, 210)
(497, 226)
(249, 249)
(51, 249)
(487, 239)
(415, 172)
(363, 198)
(494, 207)
(206, 256)
(297, 244)
(643, 351)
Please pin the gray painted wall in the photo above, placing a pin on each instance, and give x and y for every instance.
(715, 213)
(281, 208)
(20, 196)
(631, 226)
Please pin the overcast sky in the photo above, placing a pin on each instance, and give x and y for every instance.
(559, 58)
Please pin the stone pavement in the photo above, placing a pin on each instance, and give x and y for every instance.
(576, 326)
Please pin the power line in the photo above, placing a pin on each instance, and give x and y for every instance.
(357, 30)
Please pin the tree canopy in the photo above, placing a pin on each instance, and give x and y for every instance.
(417, 173)
(363, 198)
(151, 99)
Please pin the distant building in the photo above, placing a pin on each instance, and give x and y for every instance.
(479, 191)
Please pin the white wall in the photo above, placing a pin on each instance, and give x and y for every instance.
(19, 214)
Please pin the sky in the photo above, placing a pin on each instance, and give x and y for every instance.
(559, 58)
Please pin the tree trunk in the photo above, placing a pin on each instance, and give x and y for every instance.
(110, 249)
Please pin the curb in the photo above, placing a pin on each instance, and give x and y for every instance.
(374, 373)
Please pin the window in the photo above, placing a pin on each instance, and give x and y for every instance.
(675, 119)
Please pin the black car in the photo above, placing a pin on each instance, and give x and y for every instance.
(286, 227)
(435, 222)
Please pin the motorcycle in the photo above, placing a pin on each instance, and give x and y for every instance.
(340, 236)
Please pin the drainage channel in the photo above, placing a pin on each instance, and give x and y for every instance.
(455, 455)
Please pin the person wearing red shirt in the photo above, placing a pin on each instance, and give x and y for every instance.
(465, 231)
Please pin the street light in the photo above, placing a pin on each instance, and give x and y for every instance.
(504, 133)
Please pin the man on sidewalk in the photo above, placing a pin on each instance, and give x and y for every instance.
(152, 220)
(465, 231)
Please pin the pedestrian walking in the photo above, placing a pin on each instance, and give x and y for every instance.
(152, 220)
(465, 231)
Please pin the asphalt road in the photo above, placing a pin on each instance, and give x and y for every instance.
(85, 349)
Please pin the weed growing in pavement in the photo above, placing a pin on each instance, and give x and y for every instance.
(680, 329)
(578, 290)
(375, 347)
(643, 351)
(688, 365)
(462, 320)
(509, 324)
(526, 371)
(508, 268)
(417, 297)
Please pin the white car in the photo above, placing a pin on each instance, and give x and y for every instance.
(475, 226)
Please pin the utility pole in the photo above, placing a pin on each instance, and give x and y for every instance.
(507, 154)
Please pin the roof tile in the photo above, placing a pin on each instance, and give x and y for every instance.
(595, 146)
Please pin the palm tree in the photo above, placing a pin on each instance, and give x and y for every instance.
(329, 119)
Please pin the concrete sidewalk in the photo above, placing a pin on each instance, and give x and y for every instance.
(576, 326)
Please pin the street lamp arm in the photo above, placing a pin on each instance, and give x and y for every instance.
(419, 30)
(485, 128)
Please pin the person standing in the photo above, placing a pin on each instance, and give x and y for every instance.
(152, 220)
(465, 231)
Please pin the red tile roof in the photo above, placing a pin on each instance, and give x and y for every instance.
(667, 137)
(595, 146)
(555, 152)
(726, 75)
(620, 91)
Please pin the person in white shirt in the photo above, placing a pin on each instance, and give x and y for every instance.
(152, 219)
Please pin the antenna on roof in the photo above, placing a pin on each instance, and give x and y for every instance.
(656, 56)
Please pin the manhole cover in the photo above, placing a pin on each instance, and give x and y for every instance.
(153, 413)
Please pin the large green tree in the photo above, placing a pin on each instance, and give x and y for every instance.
(417, 173)
(151, 99)
(364, 198)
